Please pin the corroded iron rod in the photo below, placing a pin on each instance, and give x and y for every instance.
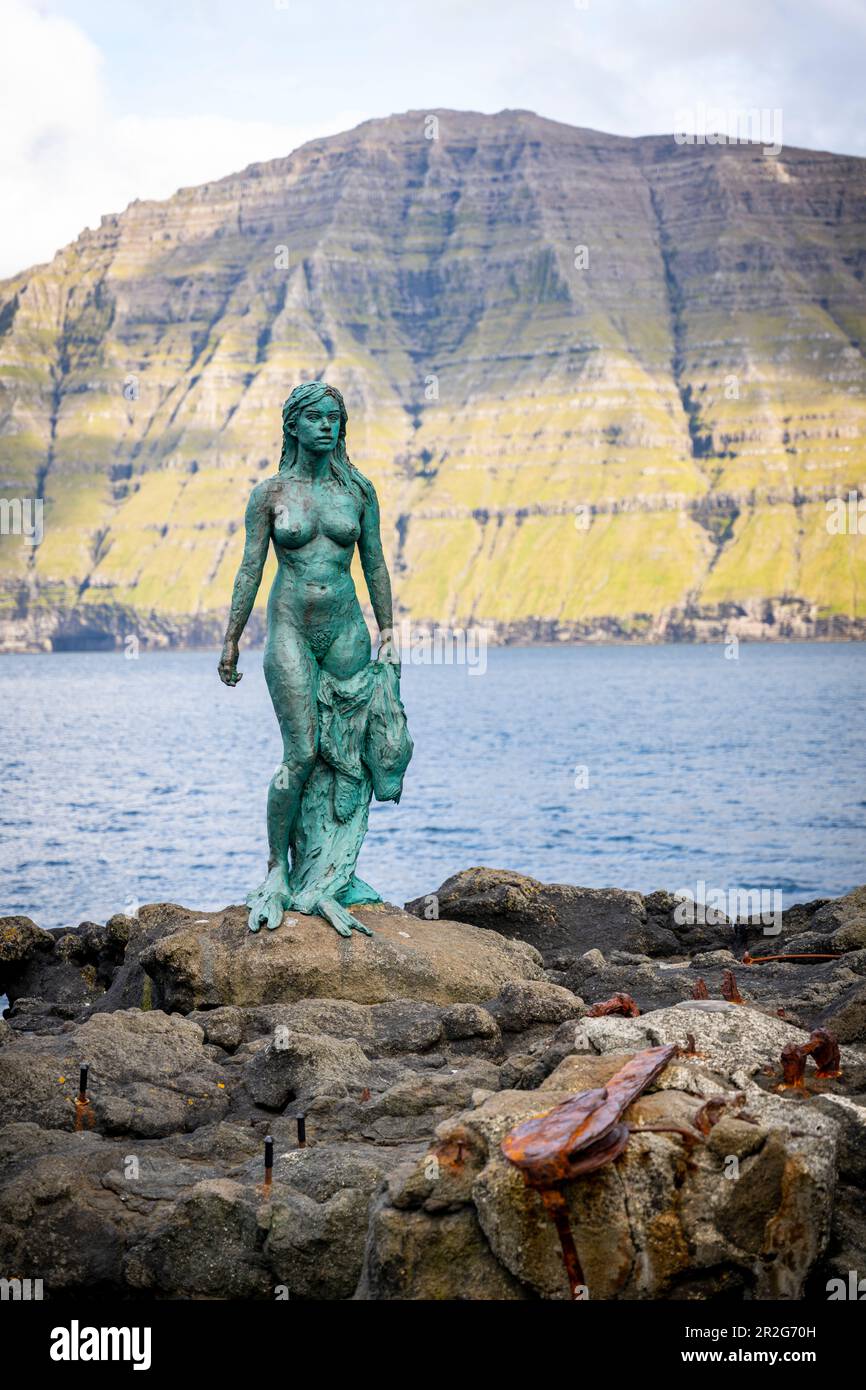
(820, 1045)
(557, 1209)
(617, 1004)
(269, 1161)
(729, 988)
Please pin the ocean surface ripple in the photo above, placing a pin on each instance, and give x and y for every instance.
(134, 781)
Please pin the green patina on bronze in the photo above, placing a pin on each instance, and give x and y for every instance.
(342, 723)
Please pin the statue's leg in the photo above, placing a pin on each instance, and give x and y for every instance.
(291, 674)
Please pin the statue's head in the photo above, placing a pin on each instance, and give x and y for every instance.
(315, 413)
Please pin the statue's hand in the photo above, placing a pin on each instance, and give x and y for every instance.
(386, 650)
(228, 665)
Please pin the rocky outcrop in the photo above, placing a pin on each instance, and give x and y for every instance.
(558, 920)
(149, 1072)
(408, 1058)
(566, 923)
(667, 1221)
(215, 962)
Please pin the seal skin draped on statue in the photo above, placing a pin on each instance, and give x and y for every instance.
(364, 749)
(343, 726)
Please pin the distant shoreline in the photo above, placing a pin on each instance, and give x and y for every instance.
(841, 631)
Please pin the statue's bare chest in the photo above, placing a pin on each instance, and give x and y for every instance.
(300, 512)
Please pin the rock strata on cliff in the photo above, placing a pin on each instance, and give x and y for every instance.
(641, 358)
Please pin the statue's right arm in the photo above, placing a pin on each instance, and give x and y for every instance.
(249, 576)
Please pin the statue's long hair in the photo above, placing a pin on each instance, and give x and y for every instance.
(342, 468)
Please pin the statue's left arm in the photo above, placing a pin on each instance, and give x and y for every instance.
(376, 572)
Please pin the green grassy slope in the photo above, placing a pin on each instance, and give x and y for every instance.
(635, 439)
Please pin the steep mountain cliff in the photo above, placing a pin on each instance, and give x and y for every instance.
(604, 386)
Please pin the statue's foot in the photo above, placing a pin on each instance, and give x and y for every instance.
(341, 920)
(269, 901)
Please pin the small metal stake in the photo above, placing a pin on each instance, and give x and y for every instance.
(83, 1111)
(302, 1132)
(269, 1161)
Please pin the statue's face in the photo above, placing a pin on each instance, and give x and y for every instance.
(318, 426)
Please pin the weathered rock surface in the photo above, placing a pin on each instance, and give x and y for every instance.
(64, 966)
(736, 1041)
(149, 1075)
(558, 920)
(527, 1003)
(402, 1191)
(383, 1030)
(565, 923)
(665, 1220)
(220, 963)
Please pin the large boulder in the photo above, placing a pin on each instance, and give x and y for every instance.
(413, 1256)
(661, 1222)
(149, 1075)
(845, 1016)
(746, 1213)
(21, 942)
(215, 961)
(563, 921)
(391, 1029)
(844, 920)
(406, 1111)
(298, 1066)
(319, 1215)
(209, 1245)
(73, 1206)
(527, 1003)
(130, 987)
(559, 920)
(56, 1222)
(62, 968)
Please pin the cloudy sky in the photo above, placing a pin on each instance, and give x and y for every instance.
(103, 101)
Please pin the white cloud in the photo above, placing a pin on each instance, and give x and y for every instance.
(163, 103)
(65, 159)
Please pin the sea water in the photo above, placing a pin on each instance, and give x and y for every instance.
(141, 780)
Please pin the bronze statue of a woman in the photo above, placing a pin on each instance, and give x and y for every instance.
(342, 724)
